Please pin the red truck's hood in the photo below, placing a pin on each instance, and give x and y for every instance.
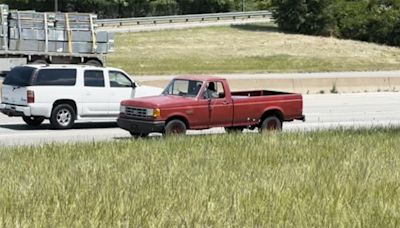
(159, 101)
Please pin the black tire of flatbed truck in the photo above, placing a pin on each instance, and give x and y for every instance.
(94, 62)
(39, 61)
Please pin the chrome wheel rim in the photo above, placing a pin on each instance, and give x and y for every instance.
(63, 117)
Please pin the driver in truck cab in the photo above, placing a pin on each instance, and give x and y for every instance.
(211, 91)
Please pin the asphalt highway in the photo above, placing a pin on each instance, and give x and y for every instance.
(323, 111)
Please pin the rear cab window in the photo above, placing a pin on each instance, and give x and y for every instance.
(55, 77)
(20, 76)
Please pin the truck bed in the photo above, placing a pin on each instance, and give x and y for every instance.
(249, 105)
(256, 93)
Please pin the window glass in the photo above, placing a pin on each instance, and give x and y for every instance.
(19, 76)
(94, 78)
(118, 79)
(56, 77)
(184, 88)
(214, 90)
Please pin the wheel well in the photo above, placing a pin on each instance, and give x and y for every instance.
(273, 112)
(69, 102)
(181, 118)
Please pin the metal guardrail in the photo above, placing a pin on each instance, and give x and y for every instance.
(183, 18)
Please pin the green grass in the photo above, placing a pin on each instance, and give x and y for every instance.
(321, 179)
(245, 49)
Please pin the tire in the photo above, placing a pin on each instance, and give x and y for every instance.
(94, 62)
(175, 127)
(232, 130)
(39, 61)
(62, 117)
(271, 123)
(33, 121)
(138, 135)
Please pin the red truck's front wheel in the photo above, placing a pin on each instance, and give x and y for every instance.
(175, 127)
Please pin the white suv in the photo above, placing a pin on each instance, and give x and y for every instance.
(65, 93)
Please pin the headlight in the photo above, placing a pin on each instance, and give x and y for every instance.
(122, 109)
(153, 112)
(149, 112)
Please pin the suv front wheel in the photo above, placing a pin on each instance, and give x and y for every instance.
(62, 117)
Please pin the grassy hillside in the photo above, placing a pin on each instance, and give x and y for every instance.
(245, 48)
(318, 179)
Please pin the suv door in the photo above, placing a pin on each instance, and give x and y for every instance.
(95, 96)
(121, 88)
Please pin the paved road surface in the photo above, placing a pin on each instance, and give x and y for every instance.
(322, 111)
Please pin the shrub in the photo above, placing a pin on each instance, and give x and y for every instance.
(374, 21)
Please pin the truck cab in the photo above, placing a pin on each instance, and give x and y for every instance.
(206, 102)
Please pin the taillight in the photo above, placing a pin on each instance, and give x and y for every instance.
(30, 96)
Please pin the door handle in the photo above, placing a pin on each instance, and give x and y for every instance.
(225, 102)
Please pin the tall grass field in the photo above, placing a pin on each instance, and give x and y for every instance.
(255, 48)
(342, 178)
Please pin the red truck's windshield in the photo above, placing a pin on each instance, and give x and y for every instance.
(183, 88)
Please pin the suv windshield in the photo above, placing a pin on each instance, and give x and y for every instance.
(183, 88)
(19, 76)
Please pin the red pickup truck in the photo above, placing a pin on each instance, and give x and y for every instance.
(207, 102)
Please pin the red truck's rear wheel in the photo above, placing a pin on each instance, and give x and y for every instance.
(175, 127)
(271, 123)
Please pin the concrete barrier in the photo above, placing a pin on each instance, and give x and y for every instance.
(309, 85)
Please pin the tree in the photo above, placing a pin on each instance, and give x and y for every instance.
(308, 17)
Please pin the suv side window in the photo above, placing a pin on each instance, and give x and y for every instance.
(118, 79)
(94, 78)
(55, 77)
